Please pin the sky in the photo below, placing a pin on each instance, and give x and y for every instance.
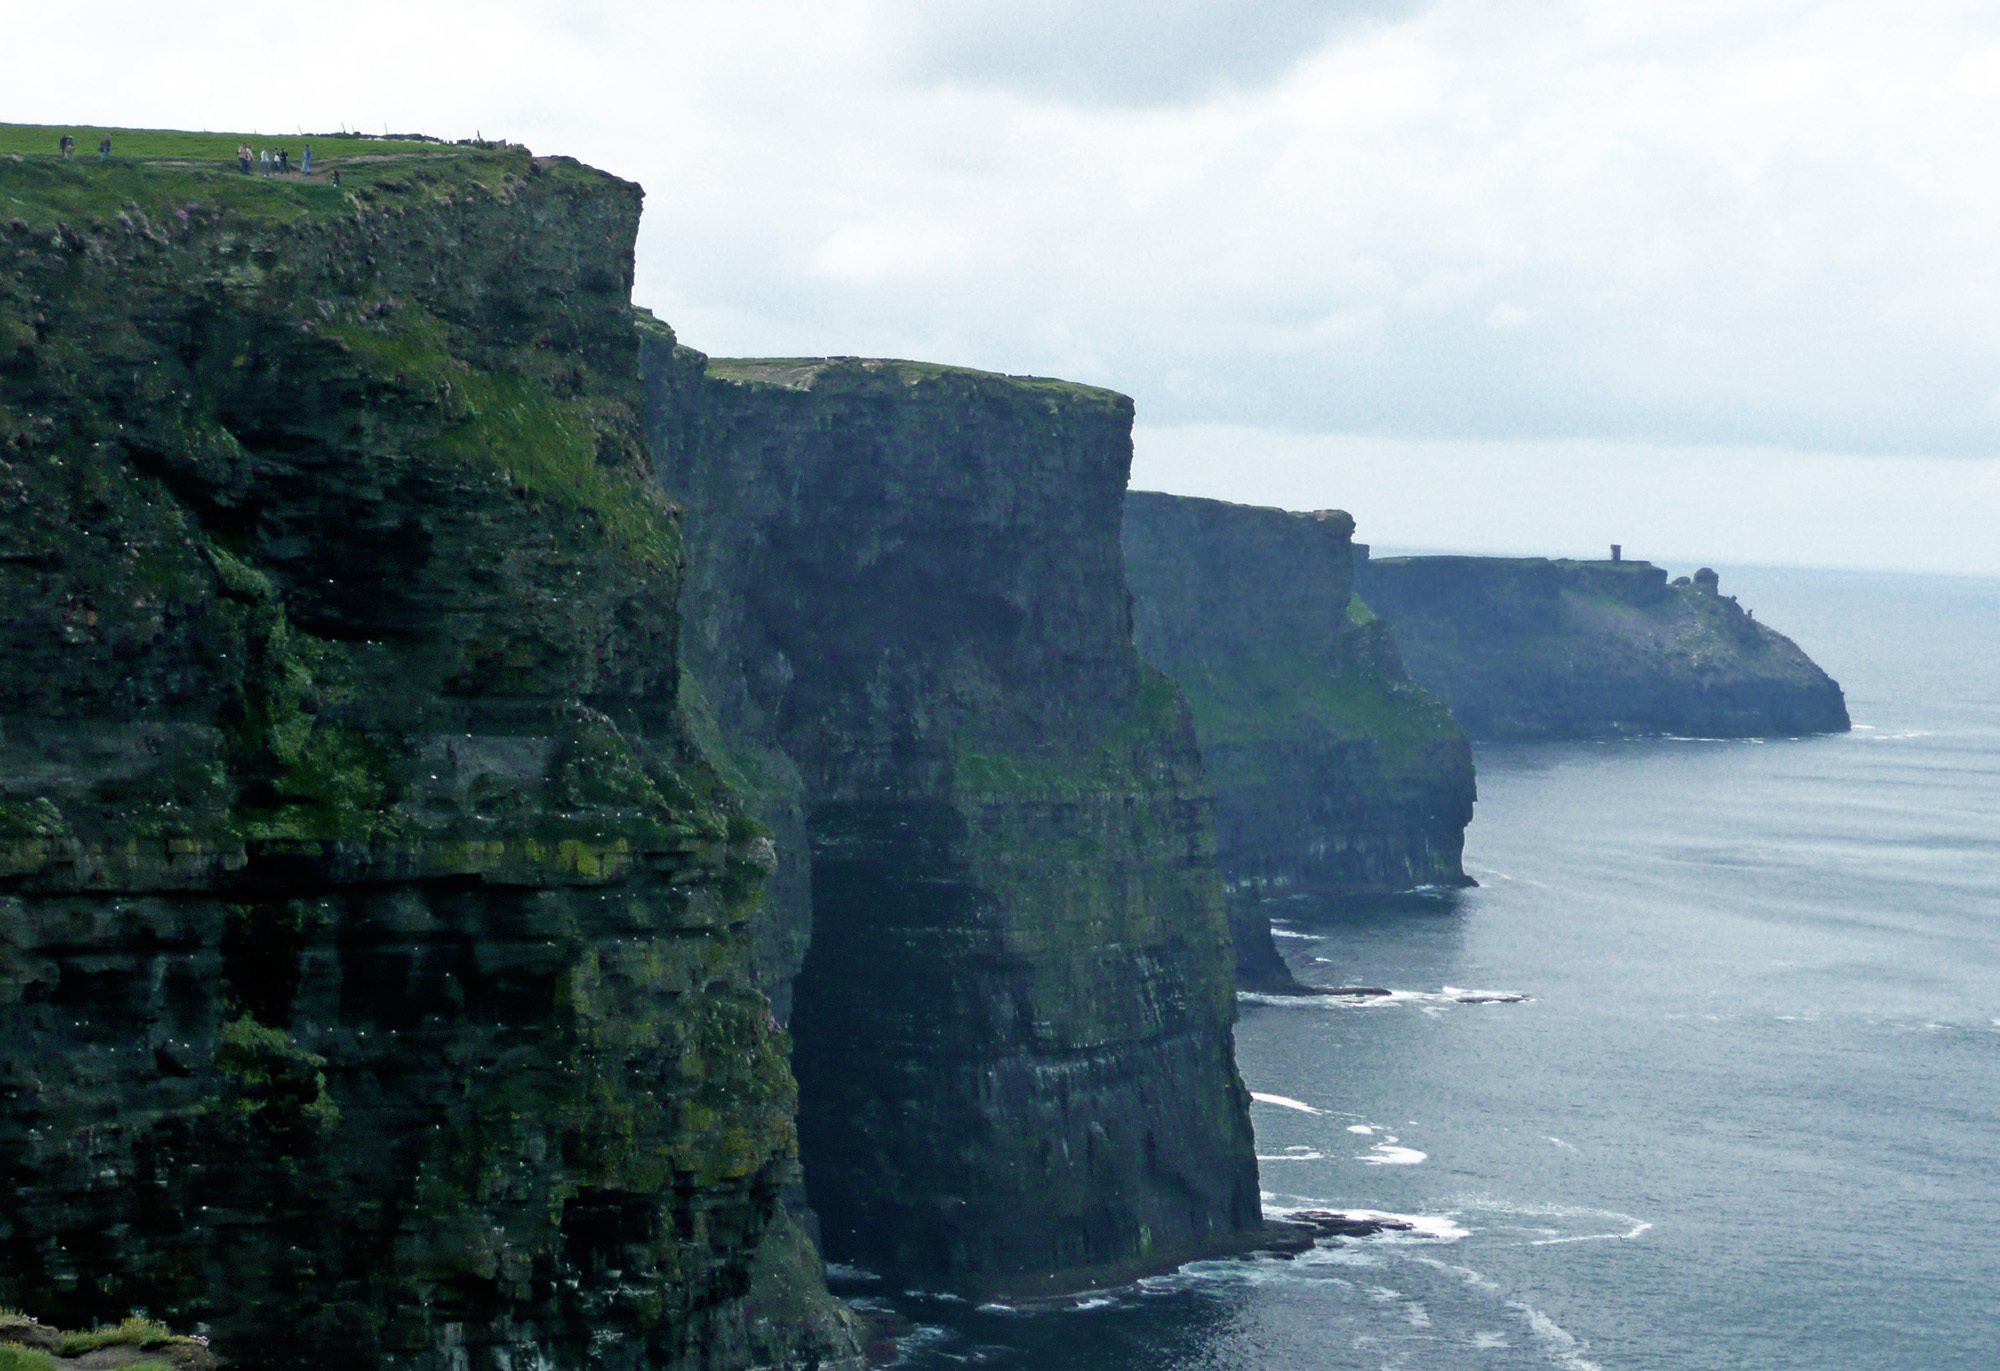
(1716, 280)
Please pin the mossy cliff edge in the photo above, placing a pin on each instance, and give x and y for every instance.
(1528, 647)
(1334, 773)
(374, 964)
(907, 611)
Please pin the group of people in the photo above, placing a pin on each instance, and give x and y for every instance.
(269, 162)
(66, 145)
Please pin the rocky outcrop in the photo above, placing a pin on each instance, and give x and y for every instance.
(374, 961)
(1526, 647)
(1333, 772)
(907, 612)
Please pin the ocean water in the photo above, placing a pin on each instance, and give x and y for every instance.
(1749, 1115)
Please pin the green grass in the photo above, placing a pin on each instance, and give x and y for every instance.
(800, 373)
(132, 1332)
(14, 1358)
(163, 170)
(1259, 704)
(546, 443)
(1134, 738)
(40, 140)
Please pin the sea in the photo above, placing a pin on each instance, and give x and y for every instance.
(1747, 1116)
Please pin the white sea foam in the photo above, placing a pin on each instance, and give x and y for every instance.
(1259, 1271)
(1424, 1001)
(1490, 1340)
(1427, 1228)
(1565, 1146)
(1637, 1227)
(917, 1339)
(1621, 1227)
(1558, 1342)
(1294, 1154)
(1463, 996)
(1473, 1279)
(1284, 1102)
(1389, 1153)
(1277, 932)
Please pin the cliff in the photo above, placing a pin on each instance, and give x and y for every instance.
(375, 974)
(1333, 772)
(907, 611)
(1526, 647)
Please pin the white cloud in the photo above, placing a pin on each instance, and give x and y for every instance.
(1758, 225)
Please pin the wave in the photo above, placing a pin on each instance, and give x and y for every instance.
(1424, 1001)
(919, 1339)
(1561, 1346)
(1284, 1102)
(1426, 1228)
(1294, 1154)
(1388, 1151)
(1625, 1227)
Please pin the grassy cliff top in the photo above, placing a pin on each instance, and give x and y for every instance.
(160, 169)
(1635, 565)
(806, 373)
(1337, 519)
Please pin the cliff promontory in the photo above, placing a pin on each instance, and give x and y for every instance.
(1333, 772)
(375, 975)
(1527, 647)
(908, 615)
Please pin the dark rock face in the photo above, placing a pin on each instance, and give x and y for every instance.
(1526, 647)
(374, 964)
(1332, 770)
(907, 611)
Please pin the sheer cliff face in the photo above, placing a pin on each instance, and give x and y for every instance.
(1013, 1031)
(1332, 771)
(1525, 647)
(374, 977)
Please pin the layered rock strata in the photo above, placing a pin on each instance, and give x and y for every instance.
(907, 610)
(374, 960)
(1333, 771)
(1527, 647)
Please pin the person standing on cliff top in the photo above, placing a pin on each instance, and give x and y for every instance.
(243, 157)
(67, 147)
(104, 149)
(306, 161)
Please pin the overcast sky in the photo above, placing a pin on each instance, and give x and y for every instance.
(1718, 279)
